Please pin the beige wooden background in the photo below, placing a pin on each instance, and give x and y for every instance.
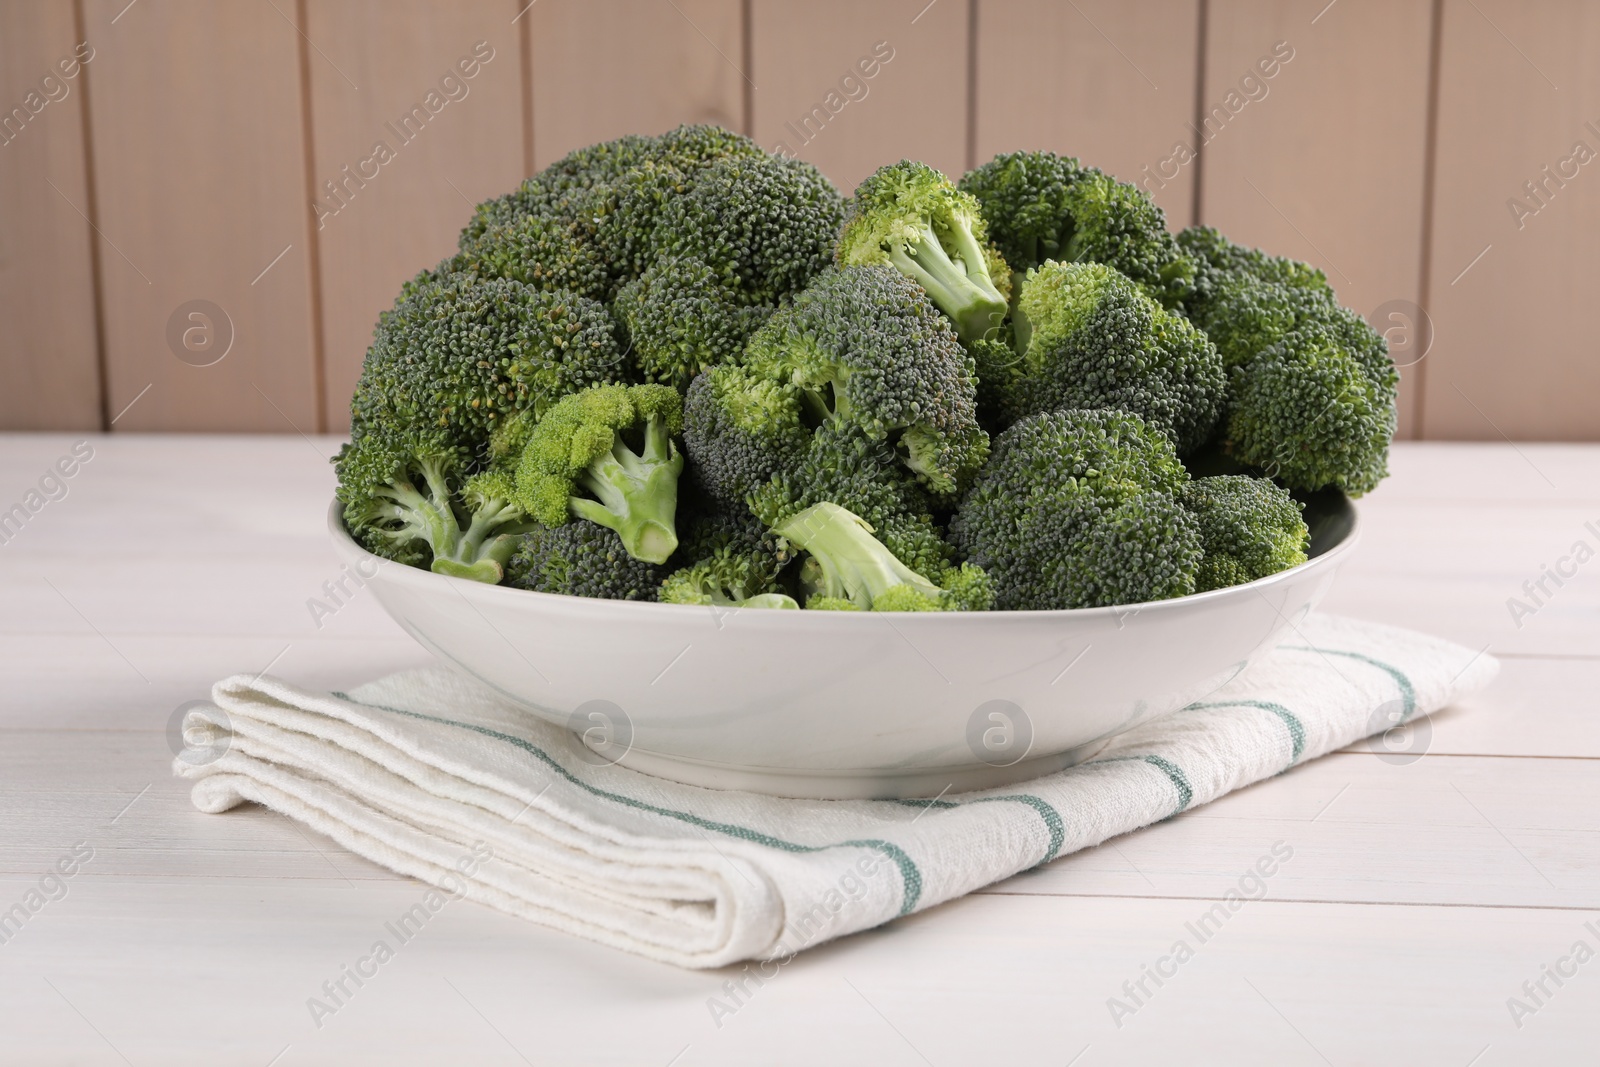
(182, 160)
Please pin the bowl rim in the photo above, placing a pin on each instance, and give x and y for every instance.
(417, 577)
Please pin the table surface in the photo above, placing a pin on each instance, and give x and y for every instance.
(1422, 894)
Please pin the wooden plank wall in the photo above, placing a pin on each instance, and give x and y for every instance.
(210, 177)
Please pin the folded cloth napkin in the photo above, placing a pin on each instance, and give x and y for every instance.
(433, 775)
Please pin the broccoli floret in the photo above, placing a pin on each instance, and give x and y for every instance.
(607, 455)
(1089, 337)
(740, 429)
(541, 249)
(1023, 199)
(405, 500)
(1318, 408)
(685, 148)
(1040, 206)
(1217, 259)
(728, 577)
(763, 225)
(843, 466)
(1312, 390)
(844, 561)
(1249, 528)
(581, 558)
(867, 349)
(1116, 223)
(681, 319)
(454, 360)
(462, 352)
(1080, 509)
(911, 217)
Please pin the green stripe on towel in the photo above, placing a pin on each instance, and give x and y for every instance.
(1291, 722)
(910, 875)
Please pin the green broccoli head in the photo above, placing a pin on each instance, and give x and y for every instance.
(844, 561)
(462, 352)
(740, 429)
(1218, 259)
(763, 225)
(867, 349)
(1080, 509)
(911, 217)
(1312, 394)
(1318, 408)
(455, 360)
(581, 558)
(1116, 223)
(405, 498)
(541, 249)
(1023, 197)
(1249, 528)
(842, 465)
(681, 319)
(692, 147)
(607, 455)
(728, 577)
(685, 149)
(1089, 337)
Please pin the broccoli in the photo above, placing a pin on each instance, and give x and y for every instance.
(452, 361)
(681, 319)
(911, 217)
(540, 249)
(607, 455)
(1312, 390)
(844, 467)
(1116, 223)
(740, 429)
(1318, 408)
(728, 577)
(685, 149)
(404, 499)
(581, 558)
(763, 225)
(1088, 337)
(1041, 206)
(1023, 199)
(1249, 528)
(1217, 259)
(866, 348)
(845, 562)
(1080, 509)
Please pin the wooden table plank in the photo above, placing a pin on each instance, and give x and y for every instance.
(1420, 896)
(203, 974)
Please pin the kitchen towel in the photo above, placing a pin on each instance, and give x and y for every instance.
(435, 776)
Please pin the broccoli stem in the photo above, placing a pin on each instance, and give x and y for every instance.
(961, 287)
(636, 495)
(846, 560)
(481, 552)
(407, 514)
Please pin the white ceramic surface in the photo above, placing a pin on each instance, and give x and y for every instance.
(840, 704)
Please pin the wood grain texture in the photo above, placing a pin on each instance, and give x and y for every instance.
(384, 221)
(814, 100)
(1324, 160)
(606, 68)
(1418, 898)
(199, 171)
(48, 356)
(1514, 355)
(1113, 84)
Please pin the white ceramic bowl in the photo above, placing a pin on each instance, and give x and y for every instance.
(849, 705)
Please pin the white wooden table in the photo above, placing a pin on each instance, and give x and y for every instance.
(1420, 898)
